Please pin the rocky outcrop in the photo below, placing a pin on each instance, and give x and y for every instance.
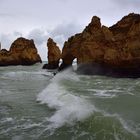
(54, 55)
(22, 52)
(102, 50)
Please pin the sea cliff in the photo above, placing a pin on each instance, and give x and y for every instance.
(105, 50)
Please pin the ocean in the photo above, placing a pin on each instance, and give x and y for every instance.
(36, 105)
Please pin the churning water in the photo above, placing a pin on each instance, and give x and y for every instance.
(35, 105)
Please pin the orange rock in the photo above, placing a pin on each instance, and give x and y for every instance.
(54, 55)
(22, 52)
(116, 47)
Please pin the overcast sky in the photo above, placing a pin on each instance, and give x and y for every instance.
(59, 19)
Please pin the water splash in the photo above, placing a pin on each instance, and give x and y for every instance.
(69, 107)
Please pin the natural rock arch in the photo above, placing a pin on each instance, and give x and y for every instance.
(113, 50)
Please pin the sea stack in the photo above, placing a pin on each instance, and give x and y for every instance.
(105, 50)
(21, 52)
(54, 55)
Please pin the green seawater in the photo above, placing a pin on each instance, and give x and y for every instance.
(35, 105)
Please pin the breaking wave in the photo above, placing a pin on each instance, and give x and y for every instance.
(69, 107)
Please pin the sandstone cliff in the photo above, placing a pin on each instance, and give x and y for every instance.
(22, 52)
(111, 50)
(54, 55)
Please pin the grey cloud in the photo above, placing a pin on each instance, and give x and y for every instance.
(64, 30)
(1, 1)
(16, 33)
(60, 33)
(6, 15)
(128, 3)
(39, 36)
(7, 39)
(51, 12)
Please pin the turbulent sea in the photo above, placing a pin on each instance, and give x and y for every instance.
(35, 105)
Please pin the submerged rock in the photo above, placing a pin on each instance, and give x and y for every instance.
(22, 52)
(54, 55)
(114, 50)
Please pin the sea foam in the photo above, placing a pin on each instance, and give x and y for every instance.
(20, 75)
(69, 107)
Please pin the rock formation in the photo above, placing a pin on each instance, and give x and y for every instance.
(22, 52)
(54, 55)
(102, 50)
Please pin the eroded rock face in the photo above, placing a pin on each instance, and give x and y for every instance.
(22, 52)
(54, 55)
(115, 49)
